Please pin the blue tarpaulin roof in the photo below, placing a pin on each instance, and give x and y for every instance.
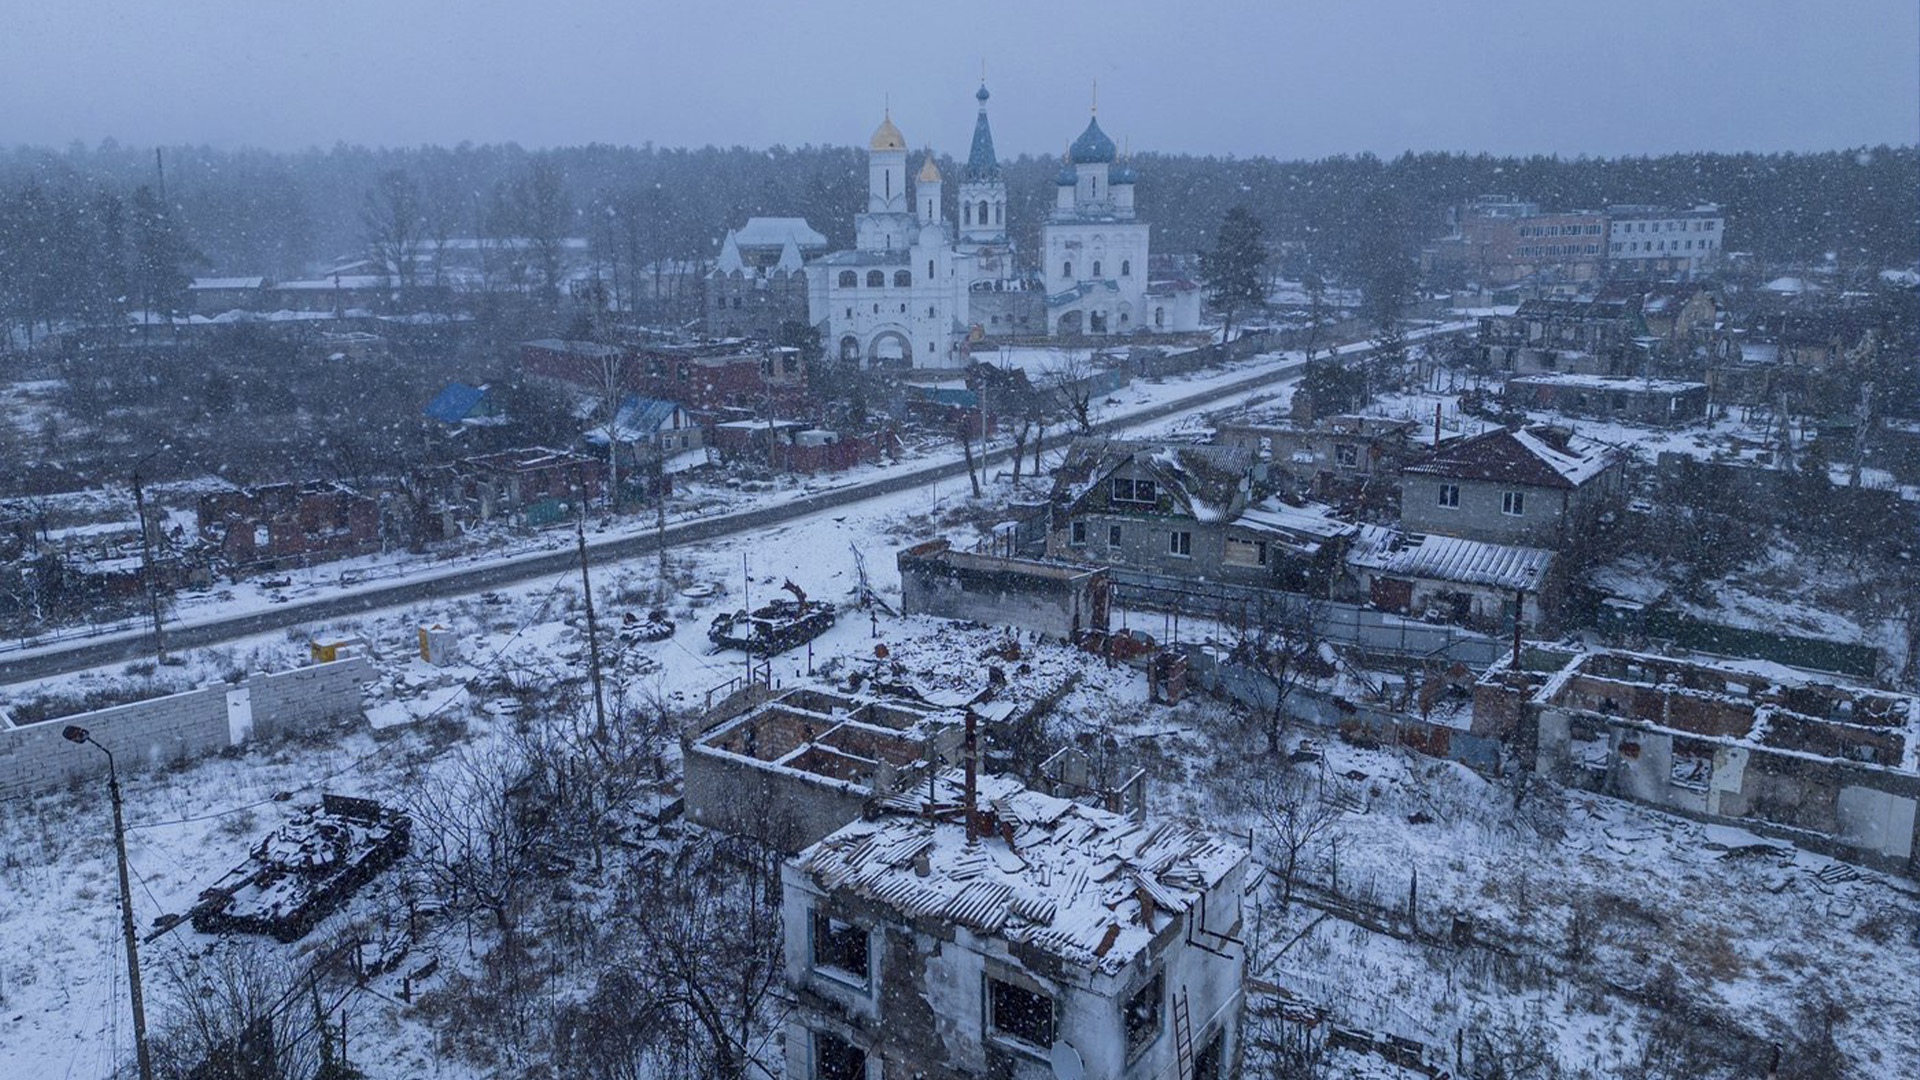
(455, 402)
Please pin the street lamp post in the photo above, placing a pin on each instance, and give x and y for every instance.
(79, 735)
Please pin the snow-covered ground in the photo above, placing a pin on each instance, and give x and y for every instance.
(1748, 938)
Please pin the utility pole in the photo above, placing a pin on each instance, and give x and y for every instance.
(146, 558)
(79, 735)
(593, 630)
(660, 517)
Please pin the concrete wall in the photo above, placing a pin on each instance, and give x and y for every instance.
(1479, 517)
(160, 731)
(743, 798)
(1006, 594)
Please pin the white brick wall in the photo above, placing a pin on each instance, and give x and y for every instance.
(146, 734)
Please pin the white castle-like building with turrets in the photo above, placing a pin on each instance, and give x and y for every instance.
(917, 288)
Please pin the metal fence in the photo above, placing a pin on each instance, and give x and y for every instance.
(1341, 623)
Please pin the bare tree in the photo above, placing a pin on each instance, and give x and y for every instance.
(395, 227)
(543, 216)
(710, 952)
(610, 370)
(1280, 645)
(963, 427)
(1073, 386)
(1292, 802)
(483, 834)
(1316, 288)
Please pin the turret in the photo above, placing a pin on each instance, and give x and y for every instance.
(926, 192)
(983, 193)
(1066, 182)
(1092, 154)
(1122, 178)
(887, 169)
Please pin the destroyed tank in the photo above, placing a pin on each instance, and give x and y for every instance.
(305, 870)
(774, 628)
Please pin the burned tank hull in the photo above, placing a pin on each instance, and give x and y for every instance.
(775, 628)
(305, 870)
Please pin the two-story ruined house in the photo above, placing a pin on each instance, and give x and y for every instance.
(1012, 934)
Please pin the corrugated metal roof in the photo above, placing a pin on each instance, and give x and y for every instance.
(1449, 558)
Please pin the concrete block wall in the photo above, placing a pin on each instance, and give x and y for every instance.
(148, 734)
(142, 735)
(287, 702)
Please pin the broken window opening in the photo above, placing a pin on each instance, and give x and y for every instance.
(839, 947)
(1122, 489)
(834, 1058)
(1019, 1014)
(1143, 1016)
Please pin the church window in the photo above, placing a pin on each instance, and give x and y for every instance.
(929, 311)
(1096, 269)
(1066, 268)
(1126, 267)
(966, 212)
(849, 279)
(876, 279)
(1096, 187)
(929, 209)
(999, 214)
(903, 309)
(1159, 316)
(983, 211)
(902, 279)
(888, 173)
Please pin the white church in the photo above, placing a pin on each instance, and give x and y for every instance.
(917, 288)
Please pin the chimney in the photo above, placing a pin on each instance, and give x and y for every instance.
(969, 808)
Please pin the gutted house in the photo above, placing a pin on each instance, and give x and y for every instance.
(803, 764)
(276, 526)
(1828, 767)
(1656, 402)
(1053, 599)
(1538, 486)
(991, 930)
(530, 486)
(1590, 337)
(1353, 460)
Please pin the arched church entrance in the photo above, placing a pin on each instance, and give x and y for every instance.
(890, 349)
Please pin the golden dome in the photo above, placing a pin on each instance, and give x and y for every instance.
(929, 172)
(886, 136)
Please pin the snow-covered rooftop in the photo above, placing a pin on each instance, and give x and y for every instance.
(1449, 558)
(1089, 886)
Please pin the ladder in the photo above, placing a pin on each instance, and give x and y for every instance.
(1183, 1036)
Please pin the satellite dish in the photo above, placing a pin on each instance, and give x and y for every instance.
(1066, 1062)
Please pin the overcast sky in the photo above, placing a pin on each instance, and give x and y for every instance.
(1286, 77)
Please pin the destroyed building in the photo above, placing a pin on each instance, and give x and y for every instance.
(1832, 768)
(1051, 599)
(997, 931)
(801, 765)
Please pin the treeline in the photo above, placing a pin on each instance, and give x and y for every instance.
(281, 214)
(83, 252)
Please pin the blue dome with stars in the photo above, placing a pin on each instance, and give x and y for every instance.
(1093, 147)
